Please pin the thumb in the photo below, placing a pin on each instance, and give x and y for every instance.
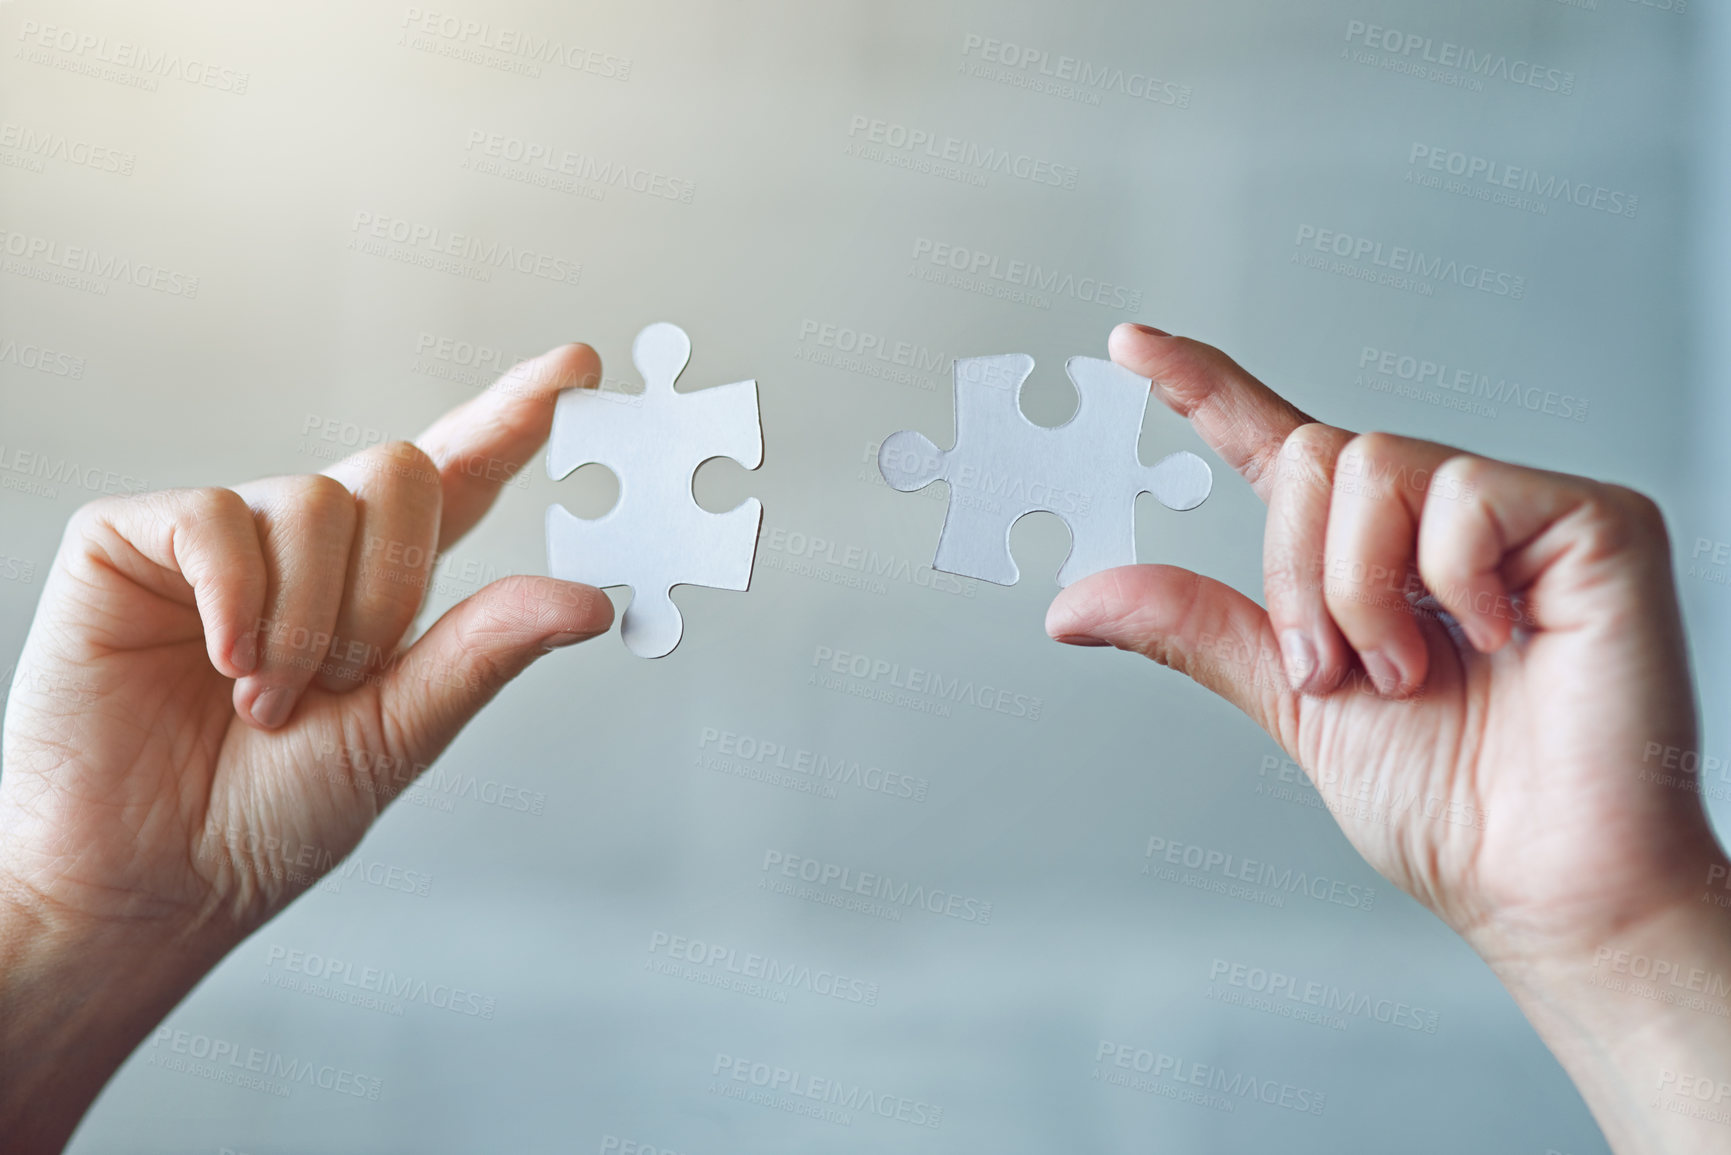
(1202, 628)
(430, 691)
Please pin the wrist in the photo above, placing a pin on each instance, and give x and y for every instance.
(1641, 1020)
(76, 997)
(1646, 931)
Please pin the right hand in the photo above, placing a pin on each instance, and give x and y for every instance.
(1493, 775)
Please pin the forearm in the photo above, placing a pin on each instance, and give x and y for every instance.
(75, 1000)
(1642, 1024)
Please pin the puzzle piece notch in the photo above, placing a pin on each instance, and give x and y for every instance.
(656, 536)
(1004, 467)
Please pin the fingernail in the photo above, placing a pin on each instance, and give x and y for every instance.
(1150, 330)
(271, 708)
(1081, 640)
(244, 653)
(1478, 633)
(1383, 674)
(566, 639)
(1299, 656)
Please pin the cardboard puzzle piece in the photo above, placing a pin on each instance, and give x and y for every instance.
(656, 536)
(1004, 467)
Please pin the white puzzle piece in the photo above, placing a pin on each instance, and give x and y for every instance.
(1004, 467)
(656, 536)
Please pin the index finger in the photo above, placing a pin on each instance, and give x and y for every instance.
(483, 443)
(1240, 418)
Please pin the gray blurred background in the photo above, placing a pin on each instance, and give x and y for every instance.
(608, 814)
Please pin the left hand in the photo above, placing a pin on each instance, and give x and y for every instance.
(213, 705)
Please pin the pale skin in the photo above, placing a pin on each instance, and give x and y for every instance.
(163, 750)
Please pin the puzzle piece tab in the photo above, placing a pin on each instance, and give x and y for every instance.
(656, 536)
(1004, 466)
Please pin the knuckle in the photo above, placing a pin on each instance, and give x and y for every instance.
(1307, 456)
(212, 502)
(1316, 439)
(85, 529)
(1372, 466)
(91, 514)
(1461, 481)
(1467, 471)
(1641, 511)
(323, 500)
(402, 461)
(1620, 520)
(1353, 465)
(105, 518)
(1370, 448)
